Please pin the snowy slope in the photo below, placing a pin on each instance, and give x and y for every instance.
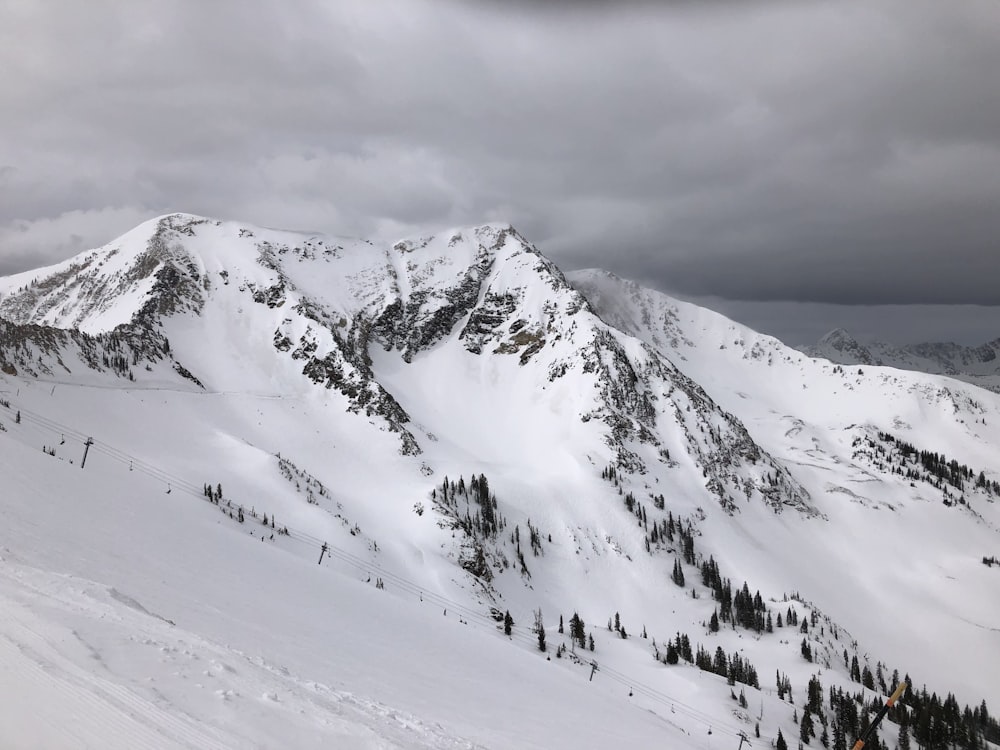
(350, 391)
(885, 546)
(135, 619)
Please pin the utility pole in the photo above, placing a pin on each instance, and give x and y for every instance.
(744, 738)
(323, 550)
(86, 447)
(879, 716)
(593, 668)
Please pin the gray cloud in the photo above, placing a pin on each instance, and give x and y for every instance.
(829, 153)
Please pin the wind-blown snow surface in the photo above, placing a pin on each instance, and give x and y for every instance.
(333, 385)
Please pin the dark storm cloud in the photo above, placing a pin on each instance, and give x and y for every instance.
(810, 152)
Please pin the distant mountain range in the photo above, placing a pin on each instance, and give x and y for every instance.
(974, 364)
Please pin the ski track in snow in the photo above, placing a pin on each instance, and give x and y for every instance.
(49, 699)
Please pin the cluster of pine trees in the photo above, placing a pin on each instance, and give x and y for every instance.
(481, 518)
(939, 724)
(734, 667)
(236, 512)
(474, 509)
(740, 609)
(577, 633)
(936, 724)
(918, 465)
(933, 724)
(314, 489)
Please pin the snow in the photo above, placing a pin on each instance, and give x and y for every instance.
(135, 613)
(890, 563)
(135, 618)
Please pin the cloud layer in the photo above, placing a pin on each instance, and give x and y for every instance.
(814, 152)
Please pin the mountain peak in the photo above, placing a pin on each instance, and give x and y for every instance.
(838, 337)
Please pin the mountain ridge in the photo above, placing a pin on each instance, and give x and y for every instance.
(974, 364)
(385, 377)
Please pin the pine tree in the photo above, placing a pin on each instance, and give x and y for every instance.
(867, 679)
(508, 622)
(576, 630)
(678, 575)
(540, 629)
(672, 656)
(780, 743)
(904, 730)
(839, 738)
(806, 729)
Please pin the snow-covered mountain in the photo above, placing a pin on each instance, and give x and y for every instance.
(974, 364)
(457, 430)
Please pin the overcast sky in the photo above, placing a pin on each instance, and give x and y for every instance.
(797, 165)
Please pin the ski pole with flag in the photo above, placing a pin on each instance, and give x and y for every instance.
(900, 689)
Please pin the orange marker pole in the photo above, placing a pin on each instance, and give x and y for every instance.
(900, 689)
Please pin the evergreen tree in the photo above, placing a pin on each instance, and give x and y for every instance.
(719, 664)
(540, 629)
(780, 743)
(806, 729)
(867, 679)
(713, 623)
(576, 630)
(814, 699)
(678, 575)
(672, 656)
(508, 622)
(904, 730)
